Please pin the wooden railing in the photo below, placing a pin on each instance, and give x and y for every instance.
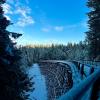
(78, 92)
(89, 81)
(89, 62)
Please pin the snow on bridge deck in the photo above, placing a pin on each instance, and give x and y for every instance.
(40, 92)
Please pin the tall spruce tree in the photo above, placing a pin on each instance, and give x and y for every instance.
(14, 82)
(93, 34)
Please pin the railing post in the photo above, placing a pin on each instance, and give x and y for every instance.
(78, 65)
(95, 90)
(91, 70)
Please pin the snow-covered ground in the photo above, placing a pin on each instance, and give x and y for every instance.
(40, 92)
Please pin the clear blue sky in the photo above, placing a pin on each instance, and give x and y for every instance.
(48, 21)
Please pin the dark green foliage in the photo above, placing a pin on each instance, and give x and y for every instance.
(33, 54)
(14, 82)
(93, 34)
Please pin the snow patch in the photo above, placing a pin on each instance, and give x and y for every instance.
(40, 92)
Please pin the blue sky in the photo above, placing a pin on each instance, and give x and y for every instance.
(47, 21)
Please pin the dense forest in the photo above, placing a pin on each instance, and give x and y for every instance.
(34, 53)
(14, 80)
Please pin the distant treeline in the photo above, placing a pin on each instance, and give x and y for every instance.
(34, 53)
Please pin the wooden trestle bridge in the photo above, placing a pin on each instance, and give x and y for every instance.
(72, 80)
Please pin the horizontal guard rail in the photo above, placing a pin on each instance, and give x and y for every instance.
(77, 92)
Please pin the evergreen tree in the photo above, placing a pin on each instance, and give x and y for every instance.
(93, 34)
(14, 82)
